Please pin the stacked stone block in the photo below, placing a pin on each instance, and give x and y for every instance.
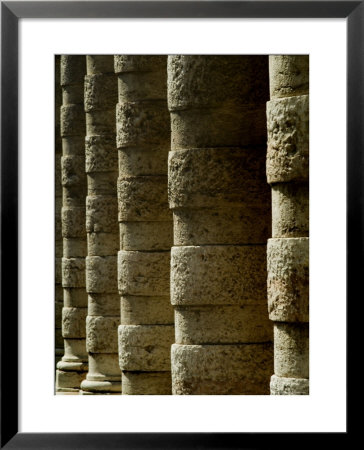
(288, 250)
(71, 369)
(58, 213)
(102, 228)
(221, 210)
(146, 331)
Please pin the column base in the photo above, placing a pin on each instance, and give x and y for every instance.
(89, 387)
(289, 386)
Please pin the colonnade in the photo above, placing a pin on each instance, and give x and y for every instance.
(165, 221)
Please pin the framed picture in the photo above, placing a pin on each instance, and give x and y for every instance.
(27, 279)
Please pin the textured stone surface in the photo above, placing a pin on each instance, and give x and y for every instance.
(136, 161)
(246, 224)
(218, 127)
(73, 322)
(75, 297)
(145, 347)
(221, 369)
(101, 183)
(150, 383)
(223, 324)
(73, 222)
(73, 172)
(102, 244)
(100, 122)
(288, 139)
(289, 386)
(101, 334)
(101, 154)
(139, 310)
(146, 235)
(288, 75)
(72, 120)
(142, 124)
(101, 274)
(213, 177)
(104, 367)
(100, 92)
(102, 214)
(143, 273)
(73, 272)
(69, 380)
(100, 64)
(291, 351)
(219, 275)
(203, 81)
(143, 199)
(138, 86)
(288, 279)
(290, 210)
(139, 63)
(103, 304)
(72, 69)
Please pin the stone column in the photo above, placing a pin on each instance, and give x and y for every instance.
(72, 367)
(221, 210)
(143, 139)
(59, 347)
(102, 228)
(288, 250)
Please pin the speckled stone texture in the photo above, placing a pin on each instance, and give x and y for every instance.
(72, 368)
(146, 331)
(220, 200)
(288, 249)
(58, 212)
(100, 98)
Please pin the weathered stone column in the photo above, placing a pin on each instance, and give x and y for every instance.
(221, 209)
(288, 250)
(143, 139)
(72, 367)
(59, 346)
(102, 228)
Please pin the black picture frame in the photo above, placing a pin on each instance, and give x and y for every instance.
(11, 12)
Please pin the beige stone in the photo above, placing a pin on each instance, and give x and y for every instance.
(73, 145)
(72, 120)
(103, 304)
(246, 224)
(139, 86)
(136, 161)
(142, 124)
(218, 127)
(75, 297)
(223, 324)
(73, 322)
(143, 199)
(100, 92)
(73, 272)
(102, 244)
(221, 369)
(66, 380)
(73, 172)
(289, 386)
(139, 310)
(145, 347)
(218, 275)
(214, 177)
(102, 214)
(72, 69)
(146, 383)
(100, 64)
(139, 63)
(288, 139)
(203, 81)
(143, 273)
(146, 236)
(291, 350)
(73, 222)
(101, 183)
(104, 367)
(100, 122)
(101, 334)
(290, 210)
(288, 75)
(101, 274)
(74, 248)
(288, 279)
(100, 153)
(72, 95)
